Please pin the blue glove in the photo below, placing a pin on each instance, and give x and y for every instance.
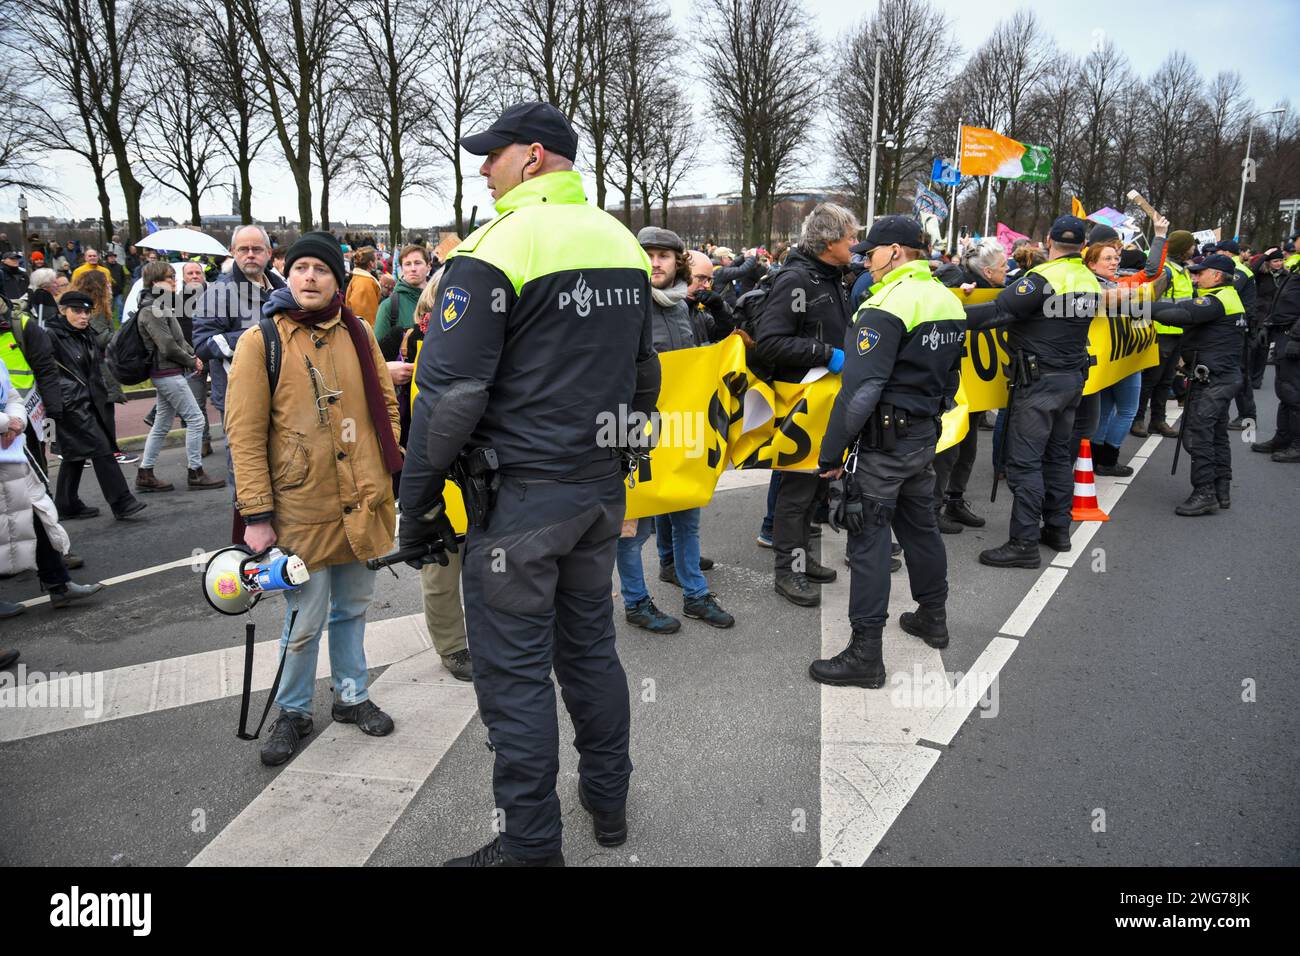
(837, 361)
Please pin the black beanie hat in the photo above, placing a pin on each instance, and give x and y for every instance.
(319, 245)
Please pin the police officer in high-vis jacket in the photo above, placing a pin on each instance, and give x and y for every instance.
(1214, 324)
(540, 340)
(902, 355)
(1048, 312)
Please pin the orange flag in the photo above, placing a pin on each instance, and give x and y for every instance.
(1077, 208)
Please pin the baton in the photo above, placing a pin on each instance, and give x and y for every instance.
(1200, 375)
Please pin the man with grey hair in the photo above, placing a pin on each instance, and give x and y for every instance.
(802, 327)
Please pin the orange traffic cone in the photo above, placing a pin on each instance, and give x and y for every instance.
(1085, 487)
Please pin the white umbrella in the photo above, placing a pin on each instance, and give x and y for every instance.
(184, 240)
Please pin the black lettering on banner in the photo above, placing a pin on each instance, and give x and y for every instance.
(984, 354)
(1126, 339)
(721, 418)
(796, 433)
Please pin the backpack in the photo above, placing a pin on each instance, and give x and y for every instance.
(129, 358)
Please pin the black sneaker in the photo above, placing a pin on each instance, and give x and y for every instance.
(668, 574)
(1200, 502)
(958, 509)
(134, 508)
(1266, 447)
(83, 512)
(929, 624)
(646, 616)
(705, 608)
(494, 855)
(1223, 492)
(948, 525)
(370, 720)
(610, 828)
(858, 665)
(818, 573)
(797, 589)
(1014, 554)
(1058, 539)
(706, 564)
(282, 739)
(459, 664)
(1287, 456)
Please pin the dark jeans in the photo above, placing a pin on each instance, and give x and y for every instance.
(109, 474)
(1040, 466)
(49, 563)
(1206, 436)
(796, 503)
(1286, 384)
(953, 466)
(773, 486)
(1158, 380)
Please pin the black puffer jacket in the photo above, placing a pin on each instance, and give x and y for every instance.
(804, 317)
(81, 432)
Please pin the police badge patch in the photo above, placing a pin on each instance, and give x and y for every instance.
(455, 303)
(1024, 287)
(867, 339)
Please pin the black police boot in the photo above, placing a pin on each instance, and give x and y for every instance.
(930, 624)
(1016, 553)
(1201, 502)
(1223, 492)
(610, 828)
(370, 720)
(1287, 456)
(946, 524)
(646, 616)
(282, 739)
(705, 608)
(797, 589)
(1266, 447)
(1058, 539)
(818, 573)
(858, 665)
(958, 509)
(495, 855)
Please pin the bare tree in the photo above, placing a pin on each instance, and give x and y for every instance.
(547, 54)
(291, 39)
(334, 145)
(641, 74)
(460, 83)
(1169, 131)
(674, 147)
(1104, 74)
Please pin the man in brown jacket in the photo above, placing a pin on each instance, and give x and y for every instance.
(313, 463)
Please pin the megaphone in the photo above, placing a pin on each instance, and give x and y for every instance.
(235, 579)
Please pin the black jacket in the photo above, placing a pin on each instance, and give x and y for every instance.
(81, 432)
(804, 317)
(39, 352)
(1286, 304)
(735, 280)
(712, 318)
(1210, 335)
(13, 282)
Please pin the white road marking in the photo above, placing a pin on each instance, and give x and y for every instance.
(972, 687)
(196, 678)
(344, 791)
(1023, 617)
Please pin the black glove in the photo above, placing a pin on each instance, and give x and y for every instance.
(1292, 351)
(845, 509)
(1261, 339)
(435, 533)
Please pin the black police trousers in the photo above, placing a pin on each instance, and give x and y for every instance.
(1286, 384)
(1206, 434)
(1245, 397)
(1158, 380)
(897, 488)
(537, 587)
(953, 466)
(1040, 464)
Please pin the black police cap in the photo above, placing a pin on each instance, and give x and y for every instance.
(893, 230)
(1216, 261)
(1229, 246)
(526, 123)
(73, 299)
(1069, 229)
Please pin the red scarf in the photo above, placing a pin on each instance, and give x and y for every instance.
(369, 374)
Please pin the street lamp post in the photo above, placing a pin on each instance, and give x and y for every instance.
(875, 131)
(22, 217)
(1245, 167)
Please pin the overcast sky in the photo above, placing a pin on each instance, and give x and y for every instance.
(1259, 42)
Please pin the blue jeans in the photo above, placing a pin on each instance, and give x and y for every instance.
(175, 398)
(631, 577)
(773, 486)
(679, 544)
(342, 591)
(1119, 405)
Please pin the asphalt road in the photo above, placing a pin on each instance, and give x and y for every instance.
(1122, 707)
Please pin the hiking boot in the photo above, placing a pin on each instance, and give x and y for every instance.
(1105, 461)
(609, 827)
(459, 665)
(134, 507)
(1287, 456)
(282, 740)
(858, 665)
(705, 608)
(646, 616)
(797, 589)
(85, 511)
(1200, 502)
(929, 624)
(370, 720)
(818, 573)
(948, 525)
(1016, 553)
(1266, 447)
(147, 481)
(958, 509)
(1058, 539)
(72, 561)
(1139, 430)
(206, 450)
(1164, 429)
(200, 480)
(1223, 492)
(495, 855)
(64, 594)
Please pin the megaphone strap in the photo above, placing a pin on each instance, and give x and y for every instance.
(250, 629)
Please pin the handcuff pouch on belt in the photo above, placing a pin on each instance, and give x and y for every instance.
(885, 426)
(477, 473)
(1023, 369)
